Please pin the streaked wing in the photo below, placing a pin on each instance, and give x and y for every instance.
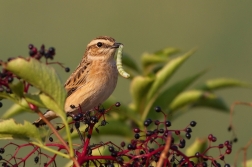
(78, 78)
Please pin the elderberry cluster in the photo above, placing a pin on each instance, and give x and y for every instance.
(7, 77)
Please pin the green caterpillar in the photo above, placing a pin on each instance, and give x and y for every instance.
(119, 63)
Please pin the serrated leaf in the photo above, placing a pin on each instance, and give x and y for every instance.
(166, 96)
(40, 76)
(166, 72)
(17, 89)
(220, 83)
(129, 62)
(138, 89)
(9, 129)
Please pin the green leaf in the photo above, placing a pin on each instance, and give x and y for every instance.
(16, 109)
(129, 62)
(212, 102)
(17, 89)
(197, 98)
(148, 60)
(166, 72)
(167, 96)
(138, 89)
(220, 83)
(11, 130)
(40, 76)
(167, 51)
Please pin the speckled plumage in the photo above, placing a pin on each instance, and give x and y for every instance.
(94, 79)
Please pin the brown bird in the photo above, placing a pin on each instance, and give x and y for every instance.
(94, 79)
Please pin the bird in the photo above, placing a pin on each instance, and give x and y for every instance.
(93, 81)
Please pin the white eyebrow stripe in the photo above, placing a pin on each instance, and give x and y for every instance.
(94, 42)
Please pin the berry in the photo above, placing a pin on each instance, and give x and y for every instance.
(161, 130)
(177, 132)
(136, 130)
(210, 137)
(51, 50)
(188, 130)
(188, 135)
(235, 140)
(50, 139)
(118, 104)
(137, 136)
(228, 151)
(30, 46)
(226, 143)
(36, 159)
(147, 122)
(67, 69)
(114, 154)
(71, 130)
(10, 79)
(157, 122)
(130, 147)
(158, 109)
(221, 146)
(1, 104)
(197, 154)
(226, 165)
(103, 122)
(111, 149)
(222, 157)
(2, 150)
(214, 139)
(204, 164)
(122, 144)
(193, 123)
(167, 123)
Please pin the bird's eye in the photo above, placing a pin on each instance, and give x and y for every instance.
(99, 44)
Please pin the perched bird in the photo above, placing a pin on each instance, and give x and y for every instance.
(94, 79)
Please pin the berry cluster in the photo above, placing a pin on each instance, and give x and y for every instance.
(6, 77)
(146, 148)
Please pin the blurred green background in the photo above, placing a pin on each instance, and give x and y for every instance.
(222, 31)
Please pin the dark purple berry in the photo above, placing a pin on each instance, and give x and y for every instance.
(122, 144)
(188, 135)
(30, 46)
(111, 148)
(2, 150)
(137, 136)
(50, 139)
(157, 122)
(158, 109)
(188, 130)
(36, 159)
(167, 123)
(118, 104)
(226, 165)
(1, 104)
(67, 69)
(193, 123)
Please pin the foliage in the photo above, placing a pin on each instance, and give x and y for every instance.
(149, 91)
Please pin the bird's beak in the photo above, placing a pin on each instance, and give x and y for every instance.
(116, 45)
